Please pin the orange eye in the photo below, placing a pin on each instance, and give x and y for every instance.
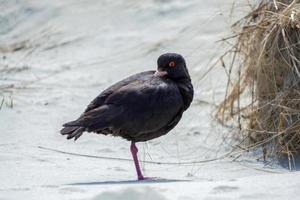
(172, 64)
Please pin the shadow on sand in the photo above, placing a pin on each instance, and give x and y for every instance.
(292, 165)
(151, 181)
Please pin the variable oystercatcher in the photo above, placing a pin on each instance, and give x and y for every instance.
(139, 108)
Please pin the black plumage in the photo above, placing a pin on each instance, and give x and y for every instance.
(141, 107)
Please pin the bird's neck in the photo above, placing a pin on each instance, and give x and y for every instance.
(186, 89)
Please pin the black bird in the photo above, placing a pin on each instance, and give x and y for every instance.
(139, 108)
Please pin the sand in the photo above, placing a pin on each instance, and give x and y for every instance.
(61, 54)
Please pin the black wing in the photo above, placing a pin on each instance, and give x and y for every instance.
(145, 106)
(100, 99)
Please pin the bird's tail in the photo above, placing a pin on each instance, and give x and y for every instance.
(72, 132)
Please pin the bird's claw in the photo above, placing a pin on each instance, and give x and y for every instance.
(142, 178)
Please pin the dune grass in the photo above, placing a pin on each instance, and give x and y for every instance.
(263, 90)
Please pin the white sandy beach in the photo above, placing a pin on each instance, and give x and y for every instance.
(59, 55)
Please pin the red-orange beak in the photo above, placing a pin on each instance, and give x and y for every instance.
(160, 73)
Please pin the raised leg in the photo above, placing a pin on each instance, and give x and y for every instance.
(134, 151)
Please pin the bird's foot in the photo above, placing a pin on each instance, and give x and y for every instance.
(143, 178)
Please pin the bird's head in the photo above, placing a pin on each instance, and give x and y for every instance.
(172, 66)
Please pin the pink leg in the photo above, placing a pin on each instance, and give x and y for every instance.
(134, 151)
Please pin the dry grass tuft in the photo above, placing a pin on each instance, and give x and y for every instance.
(263, 90)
